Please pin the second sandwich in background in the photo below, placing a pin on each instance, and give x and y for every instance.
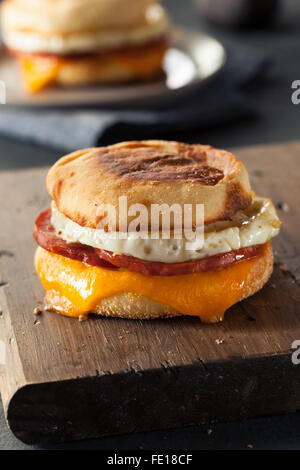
(86, 41)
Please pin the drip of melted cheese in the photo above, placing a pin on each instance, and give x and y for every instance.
(206, 295)
(39, 72)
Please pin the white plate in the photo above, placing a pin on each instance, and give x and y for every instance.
(191, 60)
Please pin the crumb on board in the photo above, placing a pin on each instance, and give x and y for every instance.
(275, 224)
(82, 318)
(36, 322)
(209, 432)
(273, 286)
(121, 337)
(250, 446)
(284, 267)
(38, 310)
(219, 341)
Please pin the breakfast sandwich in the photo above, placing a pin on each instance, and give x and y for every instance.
(80, 42)
(114, 241)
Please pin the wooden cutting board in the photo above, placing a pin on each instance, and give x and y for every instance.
(66, 379)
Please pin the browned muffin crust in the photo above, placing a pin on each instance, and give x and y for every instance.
(158, 165)
(149, 172)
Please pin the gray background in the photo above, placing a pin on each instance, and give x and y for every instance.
(278, 121)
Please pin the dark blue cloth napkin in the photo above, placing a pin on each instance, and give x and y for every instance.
(220, 102)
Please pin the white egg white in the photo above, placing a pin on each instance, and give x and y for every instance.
(254, 226)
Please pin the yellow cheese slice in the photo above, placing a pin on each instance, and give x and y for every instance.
(206, 295)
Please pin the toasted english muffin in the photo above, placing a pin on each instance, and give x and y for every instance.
(65, 17)
(149, 172)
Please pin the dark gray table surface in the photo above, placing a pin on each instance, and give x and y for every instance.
(278, 121)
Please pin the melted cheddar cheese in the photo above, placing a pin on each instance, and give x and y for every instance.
(39, 72)
(206, 295)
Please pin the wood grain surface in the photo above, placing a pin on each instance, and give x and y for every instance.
(64, 379)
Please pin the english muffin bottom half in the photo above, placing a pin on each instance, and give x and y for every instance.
(89, 265)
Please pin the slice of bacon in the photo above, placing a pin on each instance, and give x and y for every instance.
(46, 237)
(211, 263)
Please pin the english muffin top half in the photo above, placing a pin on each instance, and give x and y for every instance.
(69, 16)
(149, 172)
